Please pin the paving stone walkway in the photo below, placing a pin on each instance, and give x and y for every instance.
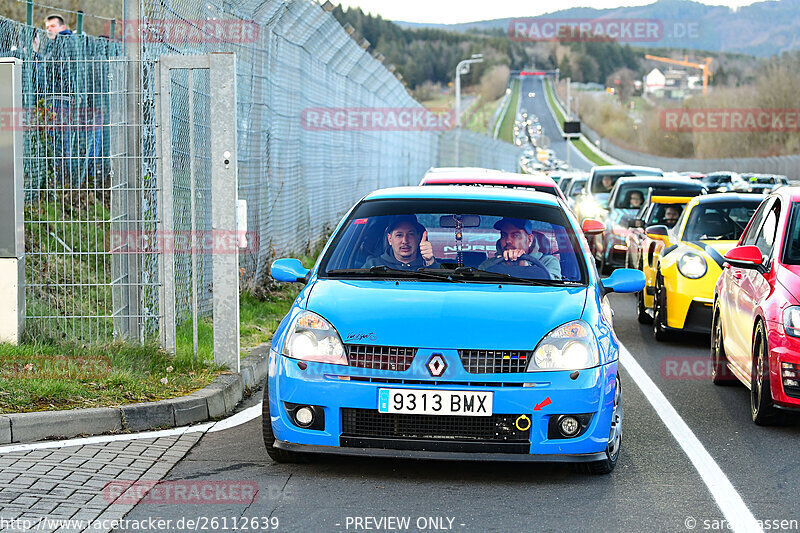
(62, 489)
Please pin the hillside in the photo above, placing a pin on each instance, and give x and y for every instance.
(761, 29)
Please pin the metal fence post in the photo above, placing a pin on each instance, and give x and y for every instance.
(12, 235)
(224, 189)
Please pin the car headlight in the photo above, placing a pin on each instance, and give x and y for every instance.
(722, 189)
(791, 321)
(312, 338)
(571, 346)
(591, 209)
(692, 265)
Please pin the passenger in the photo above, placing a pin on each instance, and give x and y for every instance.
(409, 248)
(607, 183)
(517, 238)
(636, 199)
(671, 215)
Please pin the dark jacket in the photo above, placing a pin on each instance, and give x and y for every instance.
(388, 259)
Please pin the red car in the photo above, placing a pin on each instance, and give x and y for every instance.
(755, 336)
(492, 178)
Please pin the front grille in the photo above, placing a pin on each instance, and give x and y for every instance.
(432, 383)
(494, 361)
(380, 357)
(371, 423)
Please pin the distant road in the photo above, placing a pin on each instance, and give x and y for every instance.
(538, 106)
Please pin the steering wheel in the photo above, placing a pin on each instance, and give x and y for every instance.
(514, 266)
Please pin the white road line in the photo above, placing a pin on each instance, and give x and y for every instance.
(238, 419)
(728, 500)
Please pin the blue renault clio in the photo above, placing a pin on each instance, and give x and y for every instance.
(452, 323)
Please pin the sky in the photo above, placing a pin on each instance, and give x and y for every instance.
(455, 11)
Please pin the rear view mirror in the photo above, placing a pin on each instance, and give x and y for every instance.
(746, 257)
(591, 226)
(658, 233)
(467, 221)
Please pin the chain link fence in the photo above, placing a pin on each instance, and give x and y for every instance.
(99, 176)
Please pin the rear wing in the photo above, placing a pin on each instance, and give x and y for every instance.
(671, 196)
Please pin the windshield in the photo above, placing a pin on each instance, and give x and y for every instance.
(604, 180)
(717, 179)
(577, 188)
(456, 241)
(724, 221)
(791, 251)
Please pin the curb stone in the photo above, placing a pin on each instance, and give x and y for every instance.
(212, 402)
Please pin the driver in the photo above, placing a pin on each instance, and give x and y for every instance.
(517, 238)
(409, 248)
(636, 199)
(671, 215)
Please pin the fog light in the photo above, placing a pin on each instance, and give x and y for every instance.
(569, 426)
(304, 416)
(790, 382)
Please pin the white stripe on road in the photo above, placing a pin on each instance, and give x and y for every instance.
(238, 419)
(728, 500)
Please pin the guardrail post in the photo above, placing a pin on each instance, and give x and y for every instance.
(12, 233)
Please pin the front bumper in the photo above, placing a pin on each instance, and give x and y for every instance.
(783, 348)
(341, 390)
(690, 301)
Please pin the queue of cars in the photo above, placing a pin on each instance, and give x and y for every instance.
(466, 318)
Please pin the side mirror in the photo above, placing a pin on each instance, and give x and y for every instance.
(624, 280)
(591, 226)
(289, 271)
(746, 257)
(658, 233)
(636, 223)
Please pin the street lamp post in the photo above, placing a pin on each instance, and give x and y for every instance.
(463, 68)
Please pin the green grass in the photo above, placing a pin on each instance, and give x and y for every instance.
(506, 132)
(44, 376)
(590, 154)
(480, 115)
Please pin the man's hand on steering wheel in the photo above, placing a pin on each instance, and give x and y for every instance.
(514, 255)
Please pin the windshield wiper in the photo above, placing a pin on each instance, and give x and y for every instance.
(477, 274)
(381, 271)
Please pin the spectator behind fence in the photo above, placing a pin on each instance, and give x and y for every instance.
(55, 83)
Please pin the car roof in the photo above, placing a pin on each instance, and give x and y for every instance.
(623, 168)
(791, 193)
(692, 184)
(456, 192)
(494, 178)
(726, 197)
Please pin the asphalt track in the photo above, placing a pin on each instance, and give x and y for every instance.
(655, 487)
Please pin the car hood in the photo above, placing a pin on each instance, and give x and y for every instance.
(444, 315)
(716, 250)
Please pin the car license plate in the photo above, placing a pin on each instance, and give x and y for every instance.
(428, 402)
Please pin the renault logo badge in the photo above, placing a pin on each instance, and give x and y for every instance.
(436, 365)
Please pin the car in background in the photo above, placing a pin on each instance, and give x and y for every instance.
(494, 178)
(429, 361)
(694, 174)
(762, 183)
(594, 201)
(722, 181)
(610, 247)
(756, 322)
(662, 207)
(692, 260)
(576, 188)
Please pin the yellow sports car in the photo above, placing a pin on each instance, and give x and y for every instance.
(661, 208)
(691, 261)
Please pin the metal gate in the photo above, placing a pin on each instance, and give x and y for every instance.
(198, 236)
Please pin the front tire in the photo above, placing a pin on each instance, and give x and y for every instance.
(641, 311)
(614, 447)
(720, 375)
(276, 454)
(660, 331)
(761, 407)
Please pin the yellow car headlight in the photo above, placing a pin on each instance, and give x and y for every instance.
(692, 265)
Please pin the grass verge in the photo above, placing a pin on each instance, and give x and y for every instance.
(506, 132)
(590, 154)
(46, 377)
